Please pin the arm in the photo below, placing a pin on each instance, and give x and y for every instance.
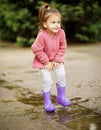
(62, 48)
(38, 49)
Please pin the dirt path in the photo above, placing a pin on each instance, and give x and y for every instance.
(83, 69)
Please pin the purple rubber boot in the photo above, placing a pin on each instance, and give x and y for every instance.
(61, 98)
(48, 105)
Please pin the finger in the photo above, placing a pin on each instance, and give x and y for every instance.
(58, 65)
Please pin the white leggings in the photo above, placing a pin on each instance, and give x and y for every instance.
(47, 77)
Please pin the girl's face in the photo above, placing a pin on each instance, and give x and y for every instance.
(53, 24)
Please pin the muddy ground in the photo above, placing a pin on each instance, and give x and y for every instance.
(21, 102)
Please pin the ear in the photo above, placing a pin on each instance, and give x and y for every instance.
(44, 24)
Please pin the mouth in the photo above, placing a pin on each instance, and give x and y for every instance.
(56, 29)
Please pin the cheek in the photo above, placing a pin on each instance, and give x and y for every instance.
(51, 25)
(60, 25)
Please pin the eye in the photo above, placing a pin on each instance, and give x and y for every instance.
(53, 22)
(59, 22)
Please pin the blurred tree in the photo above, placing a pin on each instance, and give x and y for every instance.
(19, 19)
(17, 22)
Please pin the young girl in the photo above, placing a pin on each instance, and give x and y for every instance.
(49, 48)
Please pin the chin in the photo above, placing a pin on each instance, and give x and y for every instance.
(56, 31)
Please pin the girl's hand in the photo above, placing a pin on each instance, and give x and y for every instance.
(56, 64)
(49, 66)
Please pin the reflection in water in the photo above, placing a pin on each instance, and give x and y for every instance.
(60, 116)
(77, 118)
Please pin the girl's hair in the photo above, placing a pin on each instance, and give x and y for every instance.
(45, 12)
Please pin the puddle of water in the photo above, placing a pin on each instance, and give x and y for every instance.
(35, 100)
(80, 118)
(75, 117)
(7, 101)
(2, 81)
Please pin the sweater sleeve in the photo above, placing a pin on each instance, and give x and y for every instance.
(38, 49)
(62, 48)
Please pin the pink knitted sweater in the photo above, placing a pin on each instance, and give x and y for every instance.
(48, 48)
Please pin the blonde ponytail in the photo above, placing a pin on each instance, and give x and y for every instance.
(43, 9)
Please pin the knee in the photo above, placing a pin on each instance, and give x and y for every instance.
(47, 81)
(62, 75)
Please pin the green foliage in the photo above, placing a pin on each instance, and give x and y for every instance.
(24, 42)
(19, 20)
(90, 28)
(17, 25)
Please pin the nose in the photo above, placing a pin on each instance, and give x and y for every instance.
(57, 24)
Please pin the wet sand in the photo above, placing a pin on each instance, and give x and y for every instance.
(21, 102)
